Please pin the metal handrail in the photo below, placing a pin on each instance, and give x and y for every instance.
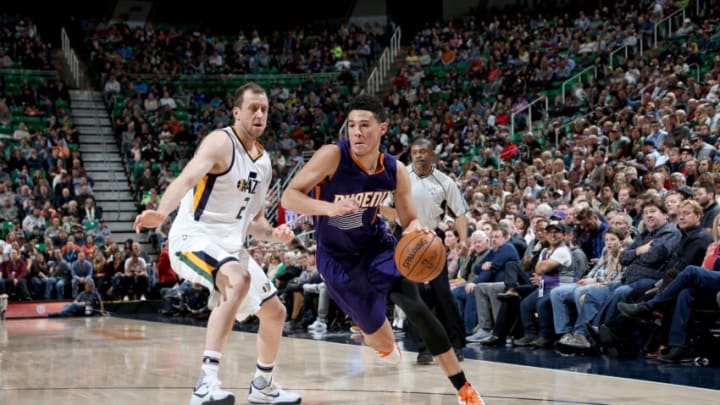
(380, 72)
(669, 20)
(642, 92)
(572, 79)
(697, 71)
(697, 6)
(70, 56)
(276, 190)
(612, 53)
(529, 119)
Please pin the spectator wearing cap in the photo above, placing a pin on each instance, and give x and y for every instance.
(554, 267)
(686, 192)
(704, 193)
(620, 145)
(702, 149)
(685, 29)
(494, 212)
(102, 231)
(649, 149)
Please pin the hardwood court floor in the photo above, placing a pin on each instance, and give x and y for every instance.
(122, 361)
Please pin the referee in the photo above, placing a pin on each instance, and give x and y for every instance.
(435, 194)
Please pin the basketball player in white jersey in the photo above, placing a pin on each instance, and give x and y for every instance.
(221, 193)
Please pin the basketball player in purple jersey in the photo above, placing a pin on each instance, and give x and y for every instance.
(343, 186)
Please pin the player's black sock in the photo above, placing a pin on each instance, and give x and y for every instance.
(458, 380)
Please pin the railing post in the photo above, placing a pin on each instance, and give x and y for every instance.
(579, 75)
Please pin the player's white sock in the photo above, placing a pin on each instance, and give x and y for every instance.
(210, 364)
(263, 374)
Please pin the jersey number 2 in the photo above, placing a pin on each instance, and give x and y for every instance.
(242, 209)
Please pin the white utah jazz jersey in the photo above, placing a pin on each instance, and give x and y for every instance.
(223, 205)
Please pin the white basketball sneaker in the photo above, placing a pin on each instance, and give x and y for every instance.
(209, 392)
(271, 394)
(319, 326)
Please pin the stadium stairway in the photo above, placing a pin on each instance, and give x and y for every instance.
(103, 162)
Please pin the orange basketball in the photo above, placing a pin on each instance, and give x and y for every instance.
(420, 256)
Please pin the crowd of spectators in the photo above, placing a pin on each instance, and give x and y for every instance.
(169, 86)
(617, 164)
(54, 238)
(615, 189)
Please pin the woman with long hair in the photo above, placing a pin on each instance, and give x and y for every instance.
(454, 253)
(102, 279)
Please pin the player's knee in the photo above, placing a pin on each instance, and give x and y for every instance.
(233, 280)
(279, 311)
(272, 310)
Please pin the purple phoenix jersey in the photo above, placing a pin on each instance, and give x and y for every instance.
(355, 251)
(353, 233)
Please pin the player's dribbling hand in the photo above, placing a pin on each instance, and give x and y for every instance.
(343, 207)
(283, 234)
(414, 225)
(148, 219)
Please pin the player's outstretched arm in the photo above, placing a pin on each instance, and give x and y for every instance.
(211, 157)
(261, 229)
(322, 166)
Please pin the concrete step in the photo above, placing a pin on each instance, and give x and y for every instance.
(91, 131)
(85, 95)
(94, 147)
(119, 216)
(94, 157)
(113, 196)
(117, 207)
(123, 236)
(92, 165)
(97, 139)
(119, 226)
(102, 176)
(91, 112)
(95, 121)
(111, 186)
(88, 105)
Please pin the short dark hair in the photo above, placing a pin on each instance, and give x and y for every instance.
(709, 187)
(652, 201)
(370, 103)
(239, 95)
